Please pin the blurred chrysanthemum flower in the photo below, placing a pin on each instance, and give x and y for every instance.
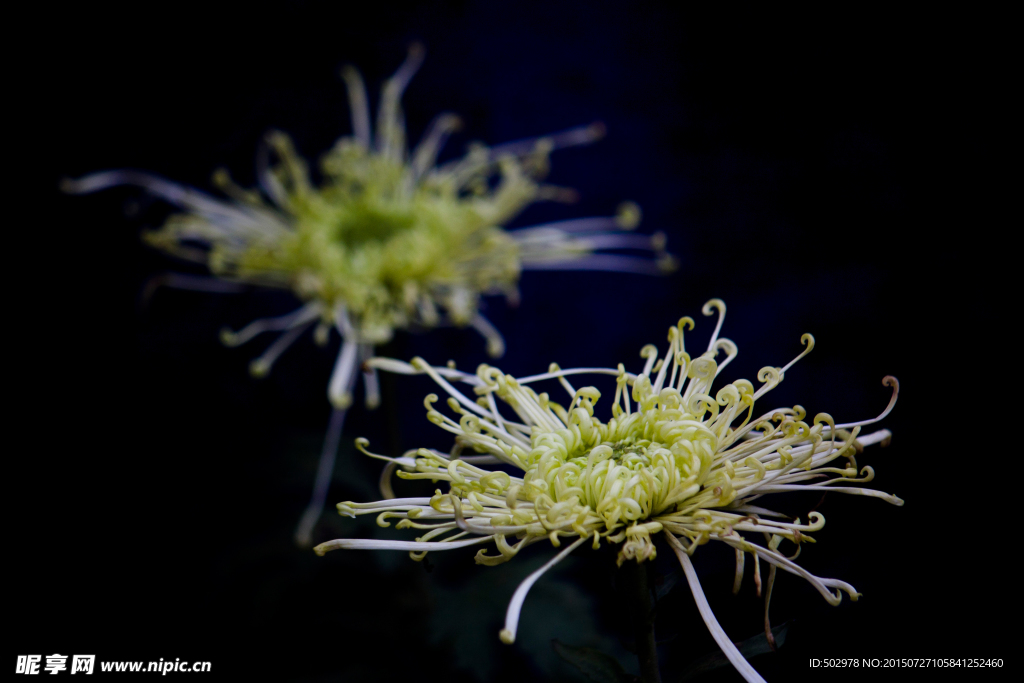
(388, 239)
(673, 459)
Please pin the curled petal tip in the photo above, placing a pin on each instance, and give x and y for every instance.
(328, 546)
(227, 336)
(667, 263)
(321, 335)
(341, 401)
(259, 368)
(712, 305)
(628, 217)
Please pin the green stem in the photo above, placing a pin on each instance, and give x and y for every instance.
(643, 621)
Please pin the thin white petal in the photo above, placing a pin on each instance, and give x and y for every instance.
(375, 544)
(283, 322)
(339, 391)
(371, 384)
(888, 381)
(872, 493)
(581, 135)
(261, 366)
(730, 650)
(324, 472)
(508, 634)
(358, 105)
(495, 342)
(598, 262)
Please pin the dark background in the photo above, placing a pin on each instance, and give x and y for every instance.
(834, 172)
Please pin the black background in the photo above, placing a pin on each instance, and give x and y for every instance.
(834, 172)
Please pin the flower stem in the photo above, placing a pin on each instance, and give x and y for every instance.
(324, 474)
(639, 592)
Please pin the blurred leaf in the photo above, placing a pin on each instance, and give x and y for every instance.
(594, 664)
(664, 583)
(468, 613)
(749, 648)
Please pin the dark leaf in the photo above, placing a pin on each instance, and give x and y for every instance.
(749, 648)
(594, 664)
(664, 584)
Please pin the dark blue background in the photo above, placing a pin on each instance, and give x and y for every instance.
(836, 172)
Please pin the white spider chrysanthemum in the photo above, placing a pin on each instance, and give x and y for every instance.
(677, 459)
(387, 240)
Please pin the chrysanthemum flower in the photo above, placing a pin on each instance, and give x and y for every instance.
(674, 458)
(387, 239)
